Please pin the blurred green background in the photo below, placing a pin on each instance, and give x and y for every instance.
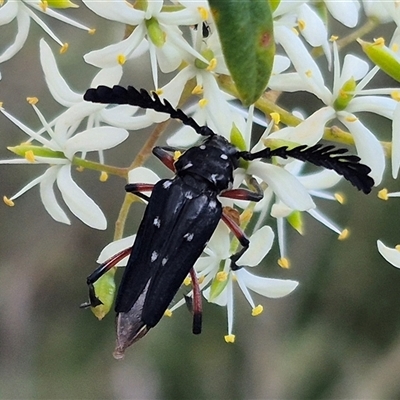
(335, 337)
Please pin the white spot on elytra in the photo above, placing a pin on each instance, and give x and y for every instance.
(214, 177)
(157, 222)
(167, 184)
(224, 156)
(154, 256)
(189, 236)
(202, 147)
(212, 204)
(164, 261)
(188, 165)
(189, 195)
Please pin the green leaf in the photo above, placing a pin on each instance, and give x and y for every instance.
(246, 32)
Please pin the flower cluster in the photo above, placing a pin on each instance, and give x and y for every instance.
(187, 42)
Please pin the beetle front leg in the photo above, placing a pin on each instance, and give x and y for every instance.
(240, 235)
(254, 194)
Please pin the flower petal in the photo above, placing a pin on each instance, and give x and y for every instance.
(268, 287)
(390, 255)
(284, 184)
(80, 204)
(94, 139)
(115, 247)
(48, 196)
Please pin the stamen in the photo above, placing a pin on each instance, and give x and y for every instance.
(187, 281)
(284, 262)
(92, 31)
(276, 117)
(397, 247)
(351, 118)
(229, 338)
(177, 154)
(32, 100)
(8, 201)
(198, 89)
(333, 38)
(203, 103)
(294, 30)
(43, 5)
(168, 313)
(257, 310)
(121, 59)
(301, 24)
(64, 48)
(103, 176)
(344, 234)
(158, 92)
(212, 65)
(395, 95)
(245, 217)
(379, 42)
(339, 198)
(383, 194)
(203, 12)
(80, 168)
(308, 73)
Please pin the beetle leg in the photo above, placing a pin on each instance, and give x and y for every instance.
(197, 303)
(162, 153)
(138, 188)
(240, 235)
(254, 194)
(94, 301)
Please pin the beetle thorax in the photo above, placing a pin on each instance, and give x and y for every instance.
(214, 160)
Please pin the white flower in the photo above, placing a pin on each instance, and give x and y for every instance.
(165, 43)
(345, 99)
(58, 152)
(23, 11)
(217, 278)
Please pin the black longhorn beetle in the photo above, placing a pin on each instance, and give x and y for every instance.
(183, 212)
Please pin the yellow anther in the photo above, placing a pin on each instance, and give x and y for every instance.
(8, 201)
(284, 262)
(276, 117)
(395, 95)
(32, 100)
(339, 198)
(92, 31)
(344, 234)
(177, 154)
(1, 2)
(379, 41)
(80, 168)
(212, 65)
(351, 118)
(158, 92)
(203, 13)
(64, 48)
(198, 89)
(333, 38)
(43, 5)
(201, 279)
(121, 59)
(309, 73)
(229, 338)
(1, 104)
(295, 31)
(301, 24)
(221, 276)
(383, 194)
(187, 281)
(103, 176)
(397, 247)
(203, 103)
(395, 47)
(29, 156)
(168, 313)
(257, 310)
